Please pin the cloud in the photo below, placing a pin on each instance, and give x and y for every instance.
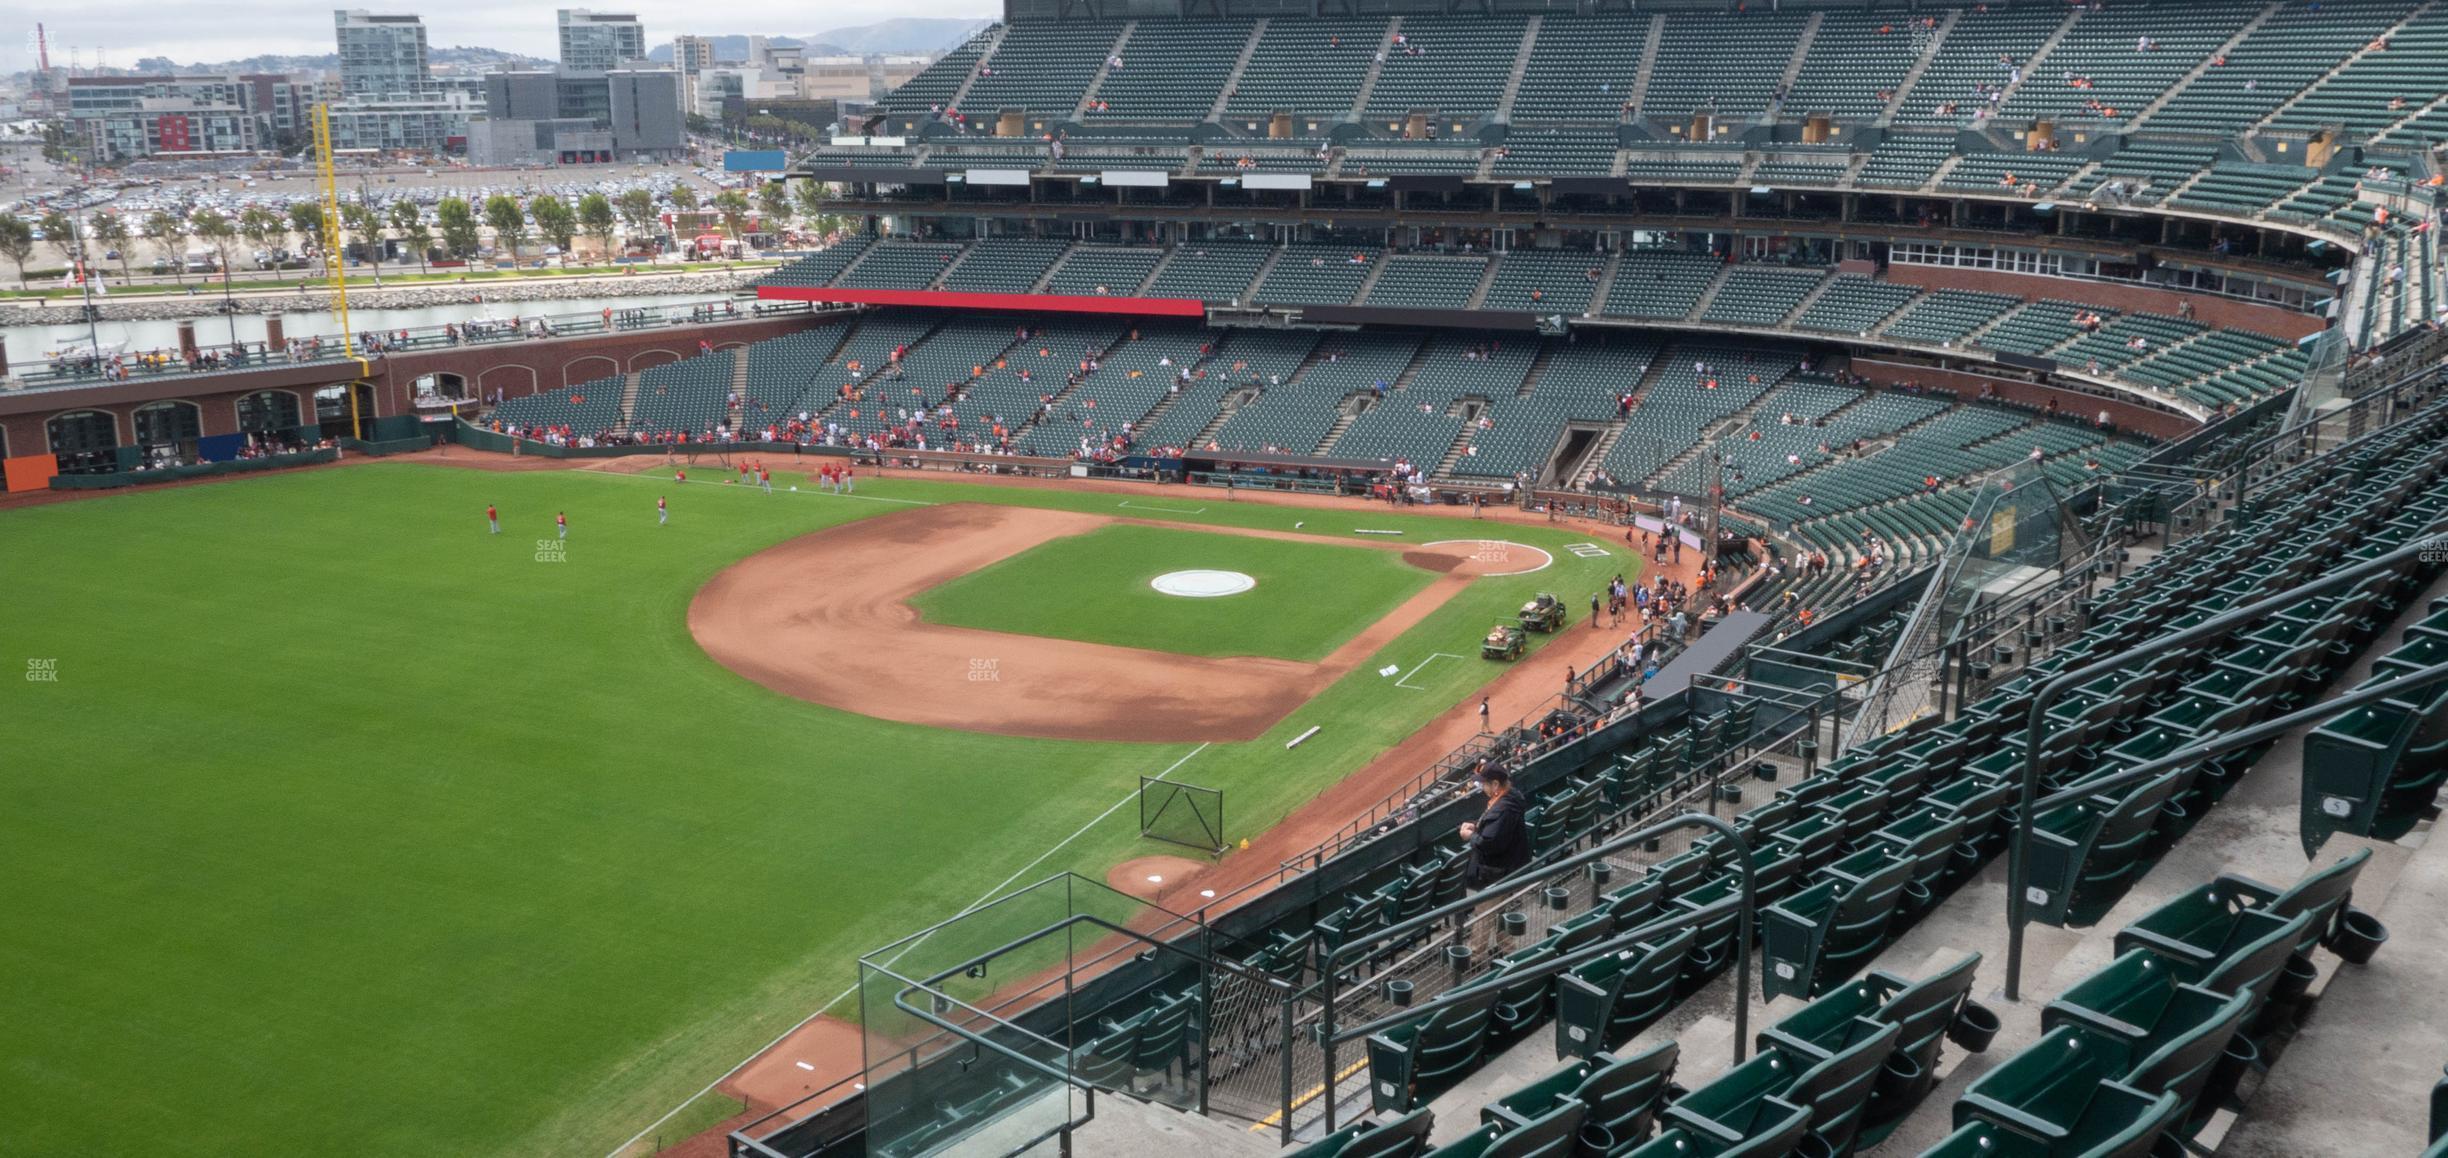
(123, 31)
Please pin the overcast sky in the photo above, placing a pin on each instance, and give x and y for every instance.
(206, 30)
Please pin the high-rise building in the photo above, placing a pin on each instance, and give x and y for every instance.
(600, 42)
(381, 55)
(579, 117)
(692, 54)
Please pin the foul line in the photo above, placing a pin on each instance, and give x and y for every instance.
(1405, 681)
(1167, 510)
(845, 994)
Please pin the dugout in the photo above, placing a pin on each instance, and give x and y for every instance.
(84, 441)
(332, 414)
(168, 429)
(1282, 472)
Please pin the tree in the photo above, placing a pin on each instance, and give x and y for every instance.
(16, 242)
(596, 216)
(263, 229)
(169, 232)
(217, 231)
(457, 221)
(60, 232)
(774, 201)
(111, 231)
(509, 222)
(408, 221)
(637, 208)
(683, 198)
(554, 220)
(812, 196)
(364, 227)
(306, 220)
(733, 205)
(419, 238)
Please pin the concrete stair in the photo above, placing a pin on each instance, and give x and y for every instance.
(1521, 67)
(629, 393)
(2412, 113)
(1606, 275)
(2040, 56)
(1232, 80)
(1912, 76)
(1368, 84)
(1973, 337)
(1808, 300)
(1079, 112)
(1047, 278)
(961, 94)
(2195, 73)
(2341, 66)
(1264, 268)
(1487, 279)
(1377, 270)
(1588, 470)
(1342, 424)
(1801, 51)
(1709, 295)
(1648, 68)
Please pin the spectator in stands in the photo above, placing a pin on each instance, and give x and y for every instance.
(1499, 840)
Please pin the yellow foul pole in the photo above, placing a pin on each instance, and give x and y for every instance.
(328, 180)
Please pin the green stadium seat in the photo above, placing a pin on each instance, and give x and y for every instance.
(1410, 1064)
(2200, 930)
(2115, 1125)
(1622, 1096)
(1739, 1114)
(1402, 1137)
(1820, 935)
(1602, 1003)
(2083, 855)
(1554, 1134)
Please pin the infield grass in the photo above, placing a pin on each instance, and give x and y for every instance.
(347, 827)
(1095, 588)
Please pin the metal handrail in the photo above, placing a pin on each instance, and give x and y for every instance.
(2244, 738)
(2017, 914)
(1229, 965)
(1329, 1038)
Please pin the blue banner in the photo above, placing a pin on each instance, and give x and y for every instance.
(754, 161)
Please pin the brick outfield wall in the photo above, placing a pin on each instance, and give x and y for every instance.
(2208, 309)
(517, 369)
(1966, 385)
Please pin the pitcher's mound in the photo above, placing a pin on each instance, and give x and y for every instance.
(1149, 876)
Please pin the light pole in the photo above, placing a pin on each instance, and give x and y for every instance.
(93, 329)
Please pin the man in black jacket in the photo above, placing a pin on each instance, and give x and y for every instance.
(1499, 840)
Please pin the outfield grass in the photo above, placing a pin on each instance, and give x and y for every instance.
(347, 827)
(1094, 588)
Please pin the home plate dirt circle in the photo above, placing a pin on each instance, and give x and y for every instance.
(1202, 584)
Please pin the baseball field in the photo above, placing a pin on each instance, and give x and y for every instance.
(334, 823)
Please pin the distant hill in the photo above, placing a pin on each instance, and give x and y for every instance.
(902, 36)
(465, 57)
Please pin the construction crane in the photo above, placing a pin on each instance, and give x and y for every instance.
(327, 180)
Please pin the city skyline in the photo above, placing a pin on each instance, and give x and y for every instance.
(125, 31)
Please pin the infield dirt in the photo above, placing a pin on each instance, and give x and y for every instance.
(826, 618)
